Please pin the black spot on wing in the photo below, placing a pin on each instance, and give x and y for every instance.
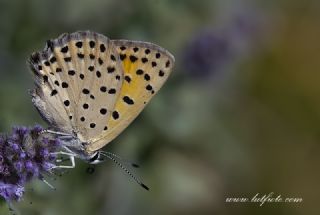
(112, 57)
(92, 44)
(103, 89)
(167, 64)
(100, 61)
(66, 103)
(161, 73)
(71, 72)
(64, 49)
(103, 111)
(102, 48)
(54, 92)
(133, 58)
(91, 68)
(67, 59)
(115, 115)
(45, 78)
(144, 60)
(53, 59)
(85, 91)
(79, 44)
(127, 78)
(112, 91)
(146, 77)
(85, 106)
(64, 85)
(80, 55)
(123, 56)
(98, 73)
(139, 72)
(149, 87)
(128, 100)
(154, 64)
(110, 69)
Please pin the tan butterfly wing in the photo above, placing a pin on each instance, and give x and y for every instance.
(78, 79)
(146, 67)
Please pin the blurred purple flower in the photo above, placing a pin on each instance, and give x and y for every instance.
(205, 53)
(24, 155)
(11, 191)
(210, 51)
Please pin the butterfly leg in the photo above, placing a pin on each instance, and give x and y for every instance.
(71, 157)
(57, 133)
(47, 183)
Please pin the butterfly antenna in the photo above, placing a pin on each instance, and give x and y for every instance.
(127, 171)
(120, 158)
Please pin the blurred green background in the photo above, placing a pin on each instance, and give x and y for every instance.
(240, 114)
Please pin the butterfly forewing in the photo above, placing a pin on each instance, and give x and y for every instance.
(74, 76)
(146, 67)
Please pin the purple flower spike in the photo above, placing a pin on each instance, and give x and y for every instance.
(45, 141)
(25, 155)
(29, 166)
(11, 191)
(56, 143)
(15, 147)
(44, 153)
(205, 53)
(37, 129)
(22, 155)
(18, 166)
(22, 131)
(48, 166)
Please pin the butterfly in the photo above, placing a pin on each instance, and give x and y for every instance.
(89, 88)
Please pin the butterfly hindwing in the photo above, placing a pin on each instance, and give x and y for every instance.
(146, 67)
(78, 78)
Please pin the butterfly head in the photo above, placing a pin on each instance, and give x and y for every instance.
(96, 158)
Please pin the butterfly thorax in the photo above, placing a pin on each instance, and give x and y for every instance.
(77, 147)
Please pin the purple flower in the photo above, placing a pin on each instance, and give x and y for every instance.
(44, 152)
(213, 51)
(24, 155)
(45, 141)
(37, 129)
(15, 147)
(29, 166)
(205, 53)
(18, 165)
(11, 191)
(47, 166)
